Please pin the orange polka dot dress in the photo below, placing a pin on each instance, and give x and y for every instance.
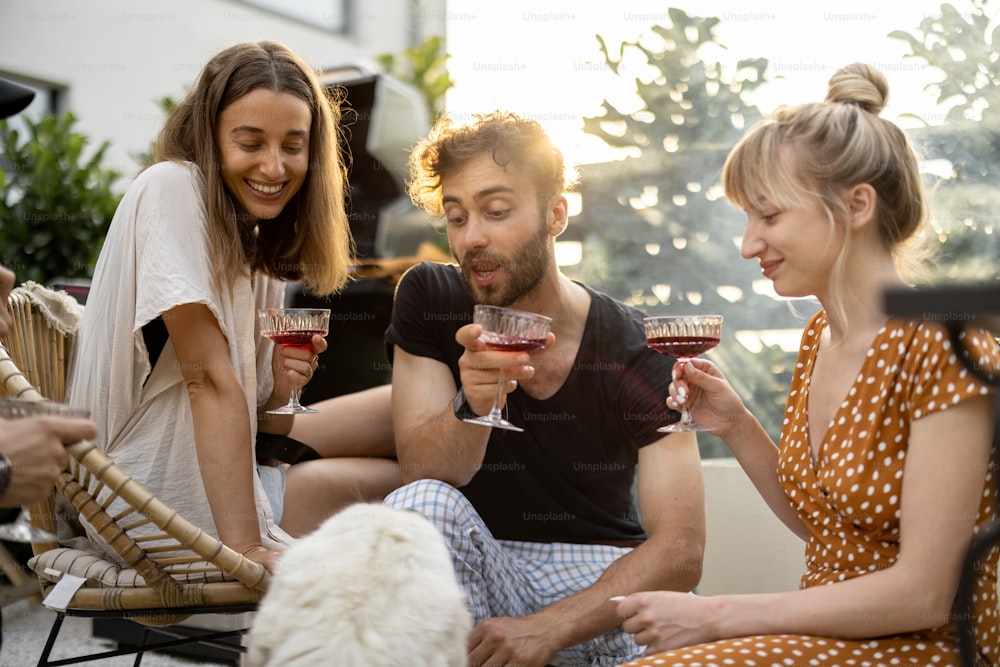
(850, 498)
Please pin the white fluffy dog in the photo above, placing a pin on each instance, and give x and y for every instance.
(372, 587)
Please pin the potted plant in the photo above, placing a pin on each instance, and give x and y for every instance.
(56, 203)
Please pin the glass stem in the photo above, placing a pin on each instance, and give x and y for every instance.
(686, 417)
(293, 398)
(495, 413)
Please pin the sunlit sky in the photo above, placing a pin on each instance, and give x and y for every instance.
(541, 58)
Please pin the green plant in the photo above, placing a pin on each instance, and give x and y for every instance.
(423, 67)
(55, 203)
(965, 47)
(961, 47)
(662, 206)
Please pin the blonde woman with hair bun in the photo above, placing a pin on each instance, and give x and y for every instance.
(882, 467)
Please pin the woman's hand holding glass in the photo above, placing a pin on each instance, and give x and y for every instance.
(292, 364)
(700, 386)
(294, 367)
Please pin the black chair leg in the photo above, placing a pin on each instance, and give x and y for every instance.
(51, 640)
(153, 639)
(142, 648)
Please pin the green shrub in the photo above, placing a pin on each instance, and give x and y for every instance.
(55, 203)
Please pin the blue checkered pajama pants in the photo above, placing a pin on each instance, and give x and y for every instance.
(508, 578)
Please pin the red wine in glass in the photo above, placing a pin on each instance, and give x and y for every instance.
(507, 330)
(683, 337)
(294, 327)
(298, 339)
(683, 347)
(507, 343)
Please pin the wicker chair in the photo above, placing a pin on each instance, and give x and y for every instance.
(175, 573)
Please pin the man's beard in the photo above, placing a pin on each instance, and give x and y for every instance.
(525, 269)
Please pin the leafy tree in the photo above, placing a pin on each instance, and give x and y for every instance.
(967, 52)
(964, 48)
(658, 232)
(55, 203)
(425, 67)
(663, 209)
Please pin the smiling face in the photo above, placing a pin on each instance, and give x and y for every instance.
(797, 245)
(263, 140)
(497, 230)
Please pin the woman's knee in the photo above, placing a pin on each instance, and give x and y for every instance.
(330, 484)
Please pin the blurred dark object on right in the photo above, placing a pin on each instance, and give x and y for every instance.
(957, 307)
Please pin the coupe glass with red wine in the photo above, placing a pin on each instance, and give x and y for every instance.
(683, 337)
(508, 330)
(294, 327)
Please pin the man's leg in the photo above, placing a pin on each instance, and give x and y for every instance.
(492, 577)
(505, 578)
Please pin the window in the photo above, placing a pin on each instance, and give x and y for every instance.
(326, 14)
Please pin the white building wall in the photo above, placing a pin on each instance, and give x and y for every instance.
(113, 59)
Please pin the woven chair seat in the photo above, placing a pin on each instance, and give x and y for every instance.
(99, 571)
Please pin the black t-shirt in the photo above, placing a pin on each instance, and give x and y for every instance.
(568, 477)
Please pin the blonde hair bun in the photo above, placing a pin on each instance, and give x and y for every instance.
(859, 84)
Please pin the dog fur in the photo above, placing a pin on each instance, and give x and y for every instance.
(371, 587)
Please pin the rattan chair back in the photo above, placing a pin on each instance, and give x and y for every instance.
(175, 571)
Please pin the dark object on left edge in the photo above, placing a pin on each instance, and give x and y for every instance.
(13, 98)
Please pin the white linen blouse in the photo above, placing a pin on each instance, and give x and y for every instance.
(156, 257)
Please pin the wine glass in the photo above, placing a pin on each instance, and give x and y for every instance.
(511, 331)
(21, 529)
(294, 327)
(683, 337)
